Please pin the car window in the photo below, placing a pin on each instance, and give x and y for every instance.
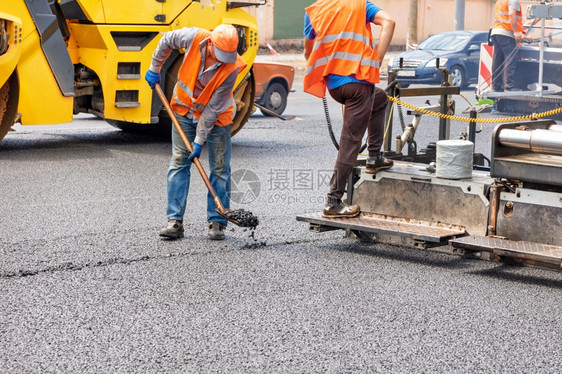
(445, 42)
(480, 38)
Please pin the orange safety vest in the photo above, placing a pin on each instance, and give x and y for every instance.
(343, 45)
(502, 17)
(183, 99)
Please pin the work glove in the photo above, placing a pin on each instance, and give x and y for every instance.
(196, 151)
(152, 78)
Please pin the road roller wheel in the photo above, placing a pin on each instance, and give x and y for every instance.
(9, 94)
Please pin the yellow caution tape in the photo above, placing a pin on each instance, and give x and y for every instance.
(485, 120)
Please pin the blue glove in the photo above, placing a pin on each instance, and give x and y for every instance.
(152, 78)
(196, 151)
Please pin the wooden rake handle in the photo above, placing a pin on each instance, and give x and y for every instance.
(196, 161)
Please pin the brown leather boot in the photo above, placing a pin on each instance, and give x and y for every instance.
(173, 230)
(340, 210)
(216, 231)
(375, 164)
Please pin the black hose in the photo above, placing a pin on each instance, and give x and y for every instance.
(331, 130)
(390, 86)
(503, 183)
(329, 123)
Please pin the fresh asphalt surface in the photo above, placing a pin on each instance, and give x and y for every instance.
(88, 286)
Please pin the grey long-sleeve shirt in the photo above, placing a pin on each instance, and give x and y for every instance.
(220, 99)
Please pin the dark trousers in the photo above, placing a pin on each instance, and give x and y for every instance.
(506, 53)
(365, 107)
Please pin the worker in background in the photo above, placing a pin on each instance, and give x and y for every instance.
(341, 56)
(506, 33)
(204, 106)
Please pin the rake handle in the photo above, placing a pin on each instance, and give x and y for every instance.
(183, 137)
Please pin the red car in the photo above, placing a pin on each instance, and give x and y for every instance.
(273, 83)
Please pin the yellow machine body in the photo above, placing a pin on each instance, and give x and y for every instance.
(9, 58)
(109, 45)
(39, 96)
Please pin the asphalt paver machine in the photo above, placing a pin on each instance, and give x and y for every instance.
(509, 211)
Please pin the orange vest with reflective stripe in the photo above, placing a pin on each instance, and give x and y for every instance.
(343, 45)
(183, 99)
(502, 17)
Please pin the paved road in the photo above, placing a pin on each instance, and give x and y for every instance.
(88, 287)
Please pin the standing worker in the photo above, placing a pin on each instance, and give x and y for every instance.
(204, 106)
(340, 55)
(507, 32)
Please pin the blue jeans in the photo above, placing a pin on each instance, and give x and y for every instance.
(220, 149)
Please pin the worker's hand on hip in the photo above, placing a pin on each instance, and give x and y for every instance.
(152, 78)
(196, 151)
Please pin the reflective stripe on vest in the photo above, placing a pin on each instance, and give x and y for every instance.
(343, 44)
(343, 56)
(344, 35)
(176, 100)
(506, 19)
(185, 88)
(502, 17)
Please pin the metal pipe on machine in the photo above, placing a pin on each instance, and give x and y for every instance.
(539, 141)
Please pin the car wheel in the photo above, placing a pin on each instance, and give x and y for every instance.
(458, 76)
(275, 98)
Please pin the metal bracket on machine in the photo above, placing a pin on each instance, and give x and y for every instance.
(407, 136)
(446, 106)
(545, 11)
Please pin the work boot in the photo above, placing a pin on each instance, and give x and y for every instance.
(375, 164)
(216, 231)
(338, 209)
(173, 230)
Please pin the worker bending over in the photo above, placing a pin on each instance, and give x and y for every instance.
(203, 103)
(341, 56)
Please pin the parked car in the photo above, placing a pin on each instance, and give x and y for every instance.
(273, 83)
(459, 51)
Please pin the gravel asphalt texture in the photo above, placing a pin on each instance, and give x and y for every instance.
(88, 287)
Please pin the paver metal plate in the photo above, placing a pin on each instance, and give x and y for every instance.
(382, 224)
(520, 249)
